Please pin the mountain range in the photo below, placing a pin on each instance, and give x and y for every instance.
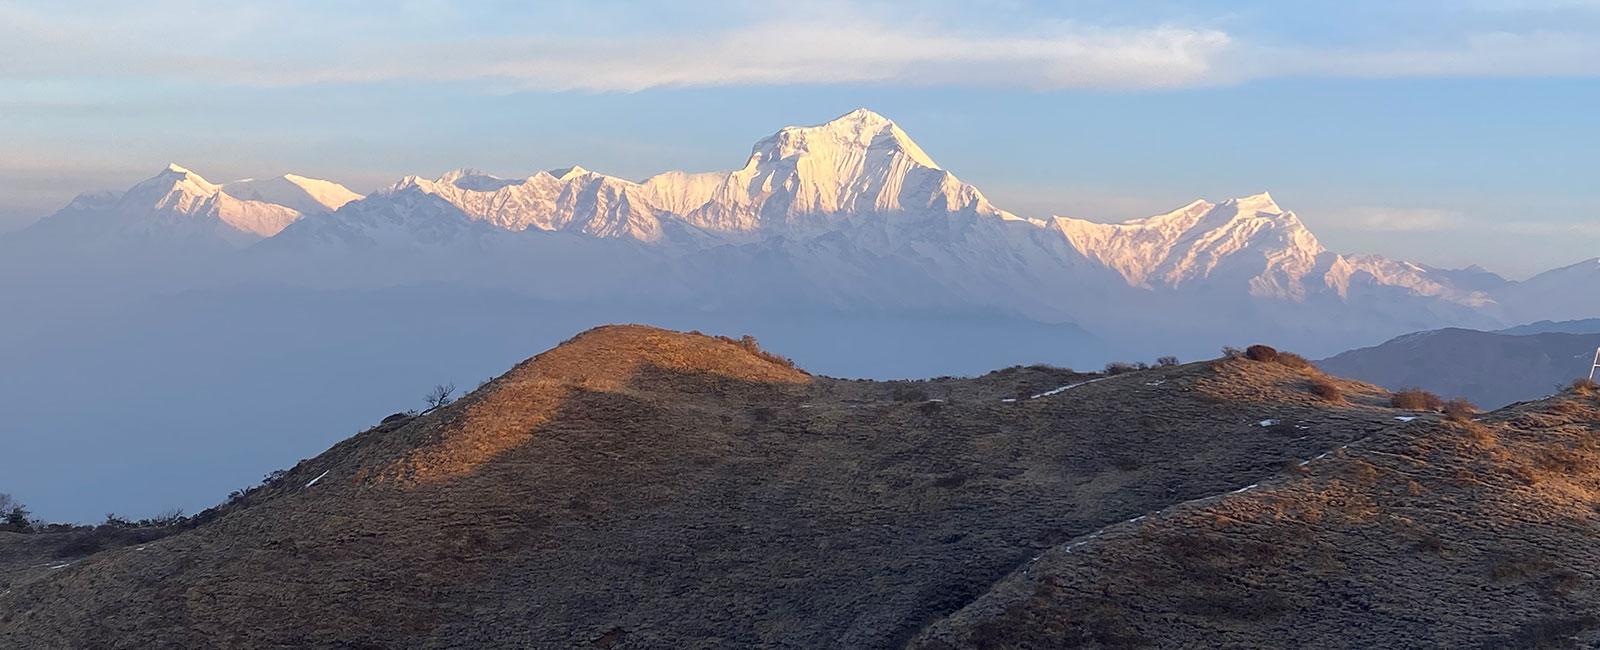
(847, 215)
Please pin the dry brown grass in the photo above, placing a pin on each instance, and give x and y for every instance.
(1397, 518)
(597, 466)
(1292, 360)
(1326, 389)
(1416, 399)
(1459, 410)
(1269, 354)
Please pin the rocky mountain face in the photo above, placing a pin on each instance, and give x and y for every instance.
(636, 487)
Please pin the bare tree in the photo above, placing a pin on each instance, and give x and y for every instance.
(13, 515)
(440, 395)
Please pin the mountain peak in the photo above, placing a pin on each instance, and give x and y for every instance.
(862, 116)
(473, 180)
(300, 193)
(860, 130)
(568, 173)
(170, 179)
(1257, 203)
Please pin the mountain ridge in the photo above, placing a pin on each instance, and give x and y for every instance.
(842, 214)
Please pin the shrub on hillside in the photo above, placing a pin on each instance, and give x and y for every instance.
(1268, 354)
(1459, 410)
(1292, 360)
(1167, 361)
(1119, 367)
(1416, 399)
(1230, 352)
(1260, 352)
(1584, 386)
(1326, 389)
(13, 515)
(752, 346)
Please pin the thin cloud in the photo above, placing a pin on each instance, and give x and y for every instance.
(255, 46)
(1389, 219)
(1424, 220)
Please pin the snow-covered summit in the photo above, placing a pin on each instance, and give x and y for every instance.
(808, 179)
(178, 207)
(1249, 239)
(859, 130)
(572, 199)
(305, 195)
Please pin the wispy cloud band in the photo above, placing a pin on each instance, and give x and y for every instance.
(253, 45)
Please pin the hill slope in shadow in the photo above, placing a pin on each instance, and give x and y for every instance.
(1434, 534)
(636, 487)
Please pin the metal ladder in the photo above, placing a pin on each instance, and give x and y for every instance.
(1596, 367)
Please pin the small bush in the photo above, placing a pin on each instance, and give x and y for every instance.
(1584, 386)
(1167, 361)
(1230, 352)
(1260, 352)
(752, 346)
(1459, 410)
(1327, 390)
(1416, 399)
(16, 520)
(1119, 367)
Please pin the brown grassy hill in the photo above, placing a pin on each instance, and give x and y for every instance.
(1437, 534)
(635, 487)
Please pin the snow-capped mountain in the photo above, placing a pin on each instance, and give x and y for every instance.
(179, 208)
(846, 215)
(805, 180)
(573, 199)
(304, 195)
(1248, 240)
(801, 181)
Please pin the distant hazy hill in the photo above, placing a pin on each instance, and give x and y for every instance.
(1491, 369)
(1585, 326)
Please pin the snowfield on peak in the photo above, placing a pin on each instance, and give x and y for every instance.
(1250, 239)
(304, 195)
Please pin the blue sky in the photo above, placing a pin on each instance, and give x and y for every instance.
(1444, 132)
